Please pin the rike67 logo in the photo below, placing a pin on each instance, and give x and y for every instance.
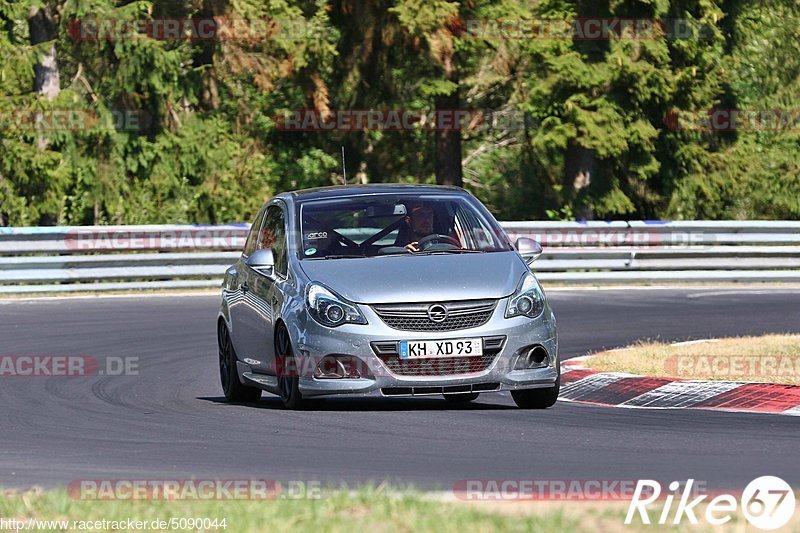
(768, 502)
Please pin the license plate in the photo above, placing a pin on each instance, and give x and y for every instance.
(443, 348)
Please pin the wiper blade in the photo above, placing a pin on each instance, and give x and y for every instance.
(337, 256)
(460, 251)
(390, 254)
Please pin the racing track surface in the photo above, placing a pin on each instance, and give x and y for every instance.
(170, 422)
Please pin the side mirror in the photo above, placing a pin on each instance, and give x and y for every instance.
(261, 260)
(529, 249)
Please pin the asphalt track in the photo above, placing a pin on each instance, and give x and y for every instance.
(170, 422)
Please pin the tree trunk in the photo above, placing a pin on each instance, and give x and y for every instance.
(209, 97)
(43, 29)
(448, 141)
(578, 169)
(46, 80)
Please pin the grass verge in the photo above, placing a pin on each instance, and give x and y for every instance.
(336, 511)
(375, 510)
(767, 358)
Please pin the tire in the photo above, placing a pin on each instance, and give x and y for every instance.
(288, 381)
(461, 397)
(229, 378)
(537, 398)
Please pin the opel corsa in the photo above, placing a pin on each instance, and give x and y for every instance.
(387, 290)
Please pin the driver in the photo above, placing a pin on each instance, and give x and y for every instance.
(419, 222)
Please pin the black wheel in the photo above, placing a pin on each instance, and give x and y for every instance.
(228, 376)
(288, 378)
(537, 398)
(461, 397)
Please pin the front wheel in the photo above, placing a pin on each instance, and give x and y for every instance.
(229, 378)
(537, 398)
(288, 371)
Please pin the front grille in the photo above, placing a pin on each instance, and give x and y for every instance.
(438, 366)
(414, 317)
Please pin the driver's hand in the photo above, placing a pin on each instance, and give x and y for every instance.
(413, 246)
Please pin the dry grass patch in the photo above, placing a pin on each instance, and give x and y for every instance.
(768, 358)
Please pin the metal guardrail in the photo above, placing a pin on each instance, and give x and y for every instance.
(98, 258)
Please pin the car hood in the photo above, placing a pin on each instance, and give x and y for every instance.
(406, 278)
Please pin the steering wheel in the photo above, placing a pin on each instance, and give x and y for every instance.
(435, 238)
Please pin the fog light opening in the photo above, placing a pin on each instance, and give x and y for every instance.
(533, 357)
(537, 356)
(337, 367)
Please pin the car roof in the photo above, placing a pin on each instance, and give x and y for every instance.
(343, 191)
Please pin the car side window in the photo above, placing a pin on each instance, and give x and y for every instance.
(472, 231)
(273, 237)
(252, 237)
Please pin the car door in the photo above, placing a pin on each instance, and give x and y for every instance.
(265, 290)
(243, 319)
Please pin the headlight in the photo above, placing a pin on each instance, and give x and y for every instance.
(329, 309)
(528, 300)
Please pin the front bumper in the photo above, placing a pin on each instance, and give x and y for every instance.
(312, 342)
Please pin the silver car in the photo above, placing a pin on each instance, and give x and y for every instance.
(387, 290)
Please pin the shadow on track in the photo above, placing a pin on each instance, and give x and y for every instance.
(368, 404)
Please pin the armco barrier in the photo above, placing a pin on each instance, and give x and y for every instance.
(97, 258)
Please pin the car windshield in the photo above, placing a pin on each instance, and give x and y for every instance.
(394, 224)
